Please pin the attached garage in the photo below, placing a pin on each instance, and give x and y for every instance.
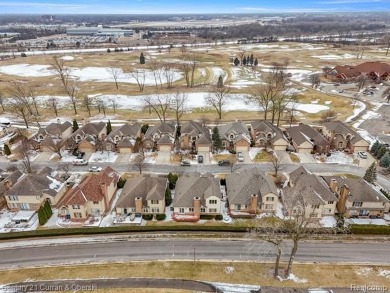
(164, 148)
(360, 146)
(242, 148)
(203, 149)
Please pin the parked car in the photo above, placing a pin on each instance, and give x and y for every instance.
(363, 155)
(240, 157)
(80, 162)
(95, 169)
(200, 159)
(185, 163)
(224, 163)
(78, 154)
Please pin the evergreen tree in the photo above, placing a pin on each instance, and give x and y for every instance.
(109, 128)
(370, 175)
(75, 125)
(121, 183)
(220, 81)
(168, 197)
(256, 62)
(217, 142)
(48, 209)
(42, 216)
(375, 147)
(236, 62)
(142, 58)
(251, 60)
(7, 151)
(385, 160)
(144, 128)
(244, 61)
(381, 151)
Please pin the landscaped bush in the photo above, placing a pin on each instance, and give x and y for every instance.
(218, 217)
(147, 217)
(232, 152)
(370, 229)
(121, 183)
(207, 217)
(385, 193)
(168, 197)
(160, 217)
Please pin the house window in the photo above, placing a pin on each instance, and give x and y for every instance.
(315, 206)
(213, 210)
(269, 198)
(212, 201)
(202, 210)
(155, 210)
(13, 205)
(77, 215)
(24, 206)
(225, 144)
(181, 210)
(348, 137)
(269, 206)
(340, 144)
(231, 136)
(364, 213)
(38, 197)
(330, 202)
(95, 202)
(357, 204)
(146, 210)
(238, 207)
(13, 197)
(76, 207)
(191, 209)
(154, 201)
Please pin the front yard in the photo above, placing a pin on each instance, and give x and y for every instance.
(263, 156)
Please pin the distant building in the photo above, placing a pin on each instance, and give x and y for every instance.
(99, 31)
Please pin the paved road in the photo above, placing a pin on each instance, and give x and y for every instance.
(187, 249)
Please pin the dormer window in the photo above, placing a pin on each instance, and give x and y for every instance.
(116, 138)
(231, 136)
(348, 137)
(156, 136)
(40, 137)
(269, 135)
(78, 137)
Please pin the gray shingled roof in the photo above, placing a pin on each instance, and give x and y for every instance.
(90, 128)
(235, 127)
(162, 128)
(146, 187)
(192, 185)
(360, 190)
(294, 175)
(125, 130)
(339, 127)
(13, 178)
(266, 127)
(240, 186)
(304, 132)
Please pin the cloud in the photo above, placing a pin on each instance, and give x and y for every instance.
(43, 5)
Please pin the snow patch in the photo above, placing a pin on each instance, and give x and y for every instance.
(107, 157)
(384, 273)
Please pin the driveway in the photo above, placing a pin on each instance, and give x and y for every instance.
(43, 157)
(306, 158)
(123, 158)
(247, 158)
(283, 156)
(206, 157)
(365, 163)
(163, 157)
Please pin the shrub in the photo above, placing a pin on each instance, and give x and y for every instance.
(23, 55)
(232, 152)
(370, 229)
(207, 217)
(172, 178)
(385, 193)
(168, 197)
(160, 217)
(218, 217)
(147, 217)
(121, 183)
(7, 151)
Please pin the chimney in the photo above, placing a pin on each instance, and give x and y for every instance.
(253, 206)
(197, 206)
(7, 184)
(138, 205)
(343, 196)
(333, 185)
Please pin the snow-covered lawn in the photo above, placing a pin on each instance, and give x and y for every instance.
(334, 57)
(379, 222)
(384, 273)
(359, 107)
(106, 157)
(27, 70)
(67, 156)
(293, 278)
(308, 108)
(339, 158)
(150, 158)
(328, 221)
(253, 152)
(7, 225)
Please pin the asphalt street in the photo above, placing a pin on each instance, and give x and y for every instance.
(190, 249)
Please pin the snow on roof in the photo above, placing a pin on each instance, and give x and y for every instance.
(55, 184)
(23, 215)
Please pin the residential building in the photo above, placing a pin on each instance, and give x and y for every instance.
(342, 137)
(144, 194)
(311, 191)
(235, 136)
(51, 135)
(373, 70)
(197, 194)
(265, 134)
(194, 136)
(123, 139)
(305, 139)
(249, 192)
(30, 191)
(357, 198)
(91, 198)
(88, 138)
(160, 137)
(7, 182)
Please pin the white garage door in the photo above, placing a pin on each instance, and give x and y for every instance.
(165, 148)
(242, 149)
(304, 151)
(203, 149)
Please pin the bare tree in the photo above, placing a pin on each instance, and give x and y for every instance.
(328, 115)
(114, 104)
(292, 108)
(87, 103)
(185, 67)
(21, 109)
(33, 98)
(315, 80)
(169, 72)
(276, 164)
(21, 91)
(52, 103)
(386, 94)
(102, 106)
(179, 105)
(241, 54)
(2, 101)
(193, 64)
(23, 150)
(218, 98)
(69, 85)
(139, 162)
(56, 145)
(139, 75)
(160, 104)
(115, 73)
(361, 81)
(157, 72)
(204, 120)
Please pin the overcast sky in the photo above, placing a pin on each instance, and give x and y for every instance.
(188, 6)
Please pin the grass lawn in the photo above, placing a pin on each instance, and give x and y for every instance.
(294, 158)
(263, 156)
(230, 157)
(254, 273)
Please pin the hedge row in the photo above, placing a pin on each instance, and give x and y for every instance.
(355, 229)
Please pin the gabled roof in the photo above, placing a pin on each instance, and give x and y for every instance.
(294, 175)
(90, 188)
(194, 185)
(35, 184)
(379, 68)
(145, 187)
(12, 178)
(240, 186)
(131, 130)
(90, 129)
(57, 128)
(360, 189)
(125, 143)
(46, 171)
(305, 133)
(162, 128)
(204, 139)
(339, 127)
(166, 139)
(267, 127)
(235, 127)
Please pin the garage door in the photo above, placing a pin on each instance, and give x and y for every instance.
(242, 148)
(165, 148)
(203, 149)
(360, 149)
(279, 147)
(304, 151)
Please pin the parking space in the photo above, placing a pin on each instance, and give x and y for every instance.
(365, 162)
(43, 157)
(206, 157)
(306, 158)
(247, 158)
(163, 157)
